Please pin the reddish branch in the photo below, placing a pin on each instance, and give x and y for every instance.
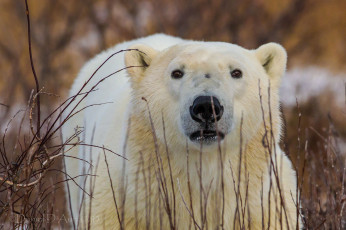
(33, 70)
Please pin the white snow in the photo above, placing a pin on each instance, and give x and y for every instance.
(305, 83)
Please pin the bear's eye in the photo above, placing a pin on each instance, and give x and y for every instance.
(176, 74)
(236, 73)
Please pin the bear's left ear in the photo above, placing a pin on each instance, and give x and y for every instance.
(138, 58)
(273, 58)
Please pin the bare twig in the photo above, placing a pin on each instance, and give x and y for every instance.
(33, 71)
(113, 193)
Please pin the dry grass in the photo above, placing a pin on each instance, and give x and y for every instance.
(32, 175)
(317, 150)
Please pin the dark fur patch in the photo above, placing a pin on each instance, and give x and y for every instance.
(142, 60)
(267, 62)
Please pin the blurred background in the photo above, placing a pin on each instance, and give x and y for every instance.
(65, 34)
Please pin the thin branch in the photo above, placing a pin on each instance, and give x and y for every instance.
(33, 69)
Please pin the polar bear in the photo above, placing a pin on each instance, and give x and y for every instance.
(168, 133)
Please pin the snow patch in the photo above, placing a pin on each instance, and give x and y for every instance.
(305, 83)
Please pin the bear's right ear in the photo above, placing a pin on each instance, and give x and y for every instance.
(138, 58)
(273, 58)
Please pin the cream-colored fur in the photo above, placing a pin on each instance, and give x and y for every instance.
(159, 156)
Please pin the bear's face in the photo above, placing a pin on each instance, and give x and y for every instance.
(204, 91)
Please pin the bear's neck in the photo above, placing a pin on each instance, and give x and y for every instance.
(143, 148)
(189, 174)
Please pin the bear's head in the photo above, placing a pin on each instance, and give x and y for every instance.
(205, 92)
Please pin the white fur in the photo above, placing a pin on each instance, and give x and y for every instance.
(97, 121)
(107, 125)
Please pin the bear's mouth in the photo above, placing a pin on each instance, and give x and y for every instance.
(206, 136)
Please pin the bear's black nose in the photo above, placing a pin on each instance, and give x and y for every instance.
(202, 109)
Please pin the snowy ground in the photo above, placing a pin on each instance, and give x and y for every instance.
(305, 83)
